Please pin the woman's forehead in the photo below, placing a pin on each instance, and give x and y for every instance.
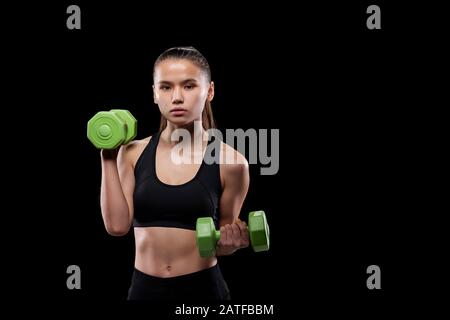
(179, 68)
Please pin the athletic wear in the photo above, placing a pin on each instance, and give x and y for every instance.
(204, 285)
(157, 204)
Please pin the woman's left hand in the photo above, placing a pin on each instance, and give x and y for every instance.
(232, 237)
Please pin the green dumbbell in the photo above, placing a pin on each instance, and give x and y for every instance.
(207, 236)
(110, 129)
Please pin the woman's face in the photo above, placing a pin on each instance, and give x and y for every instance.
(180, 89)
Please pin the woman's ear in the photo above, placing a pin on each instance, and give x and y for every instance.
(155, 100)
(211, 91)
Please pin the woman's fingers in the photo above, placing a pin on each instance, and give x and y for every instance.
(234, 235)
(244, 233)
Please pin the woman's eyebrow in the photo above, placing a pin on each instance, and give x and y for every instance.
(183, 82)
(189, 80)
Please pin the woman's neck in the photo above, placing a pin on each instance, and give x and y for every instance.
(192, 134)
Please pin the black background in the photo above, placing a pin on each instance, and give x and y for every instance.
(343, 97)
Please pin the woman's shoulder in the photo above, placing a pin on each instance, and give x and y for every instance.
(133, 150)
(134, 145)
(231, 160)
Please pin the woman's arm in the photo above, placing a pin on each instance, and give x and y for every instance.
(236, 180)
(117, 187)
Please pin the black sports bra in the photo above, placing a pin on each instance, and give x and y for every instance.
(157, 204)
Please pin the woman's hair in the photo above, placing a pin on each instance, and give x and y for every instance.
(193, 55)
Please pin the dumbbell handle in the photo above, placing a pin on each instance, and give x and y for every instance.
(217, 235)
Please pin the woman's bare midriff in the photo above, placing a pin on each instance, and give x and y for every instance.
(168, 252)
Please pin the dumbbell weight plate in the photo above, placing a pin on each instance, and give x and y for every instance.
(206, 236)
(130, 121)
(106, 130)
(259, 232)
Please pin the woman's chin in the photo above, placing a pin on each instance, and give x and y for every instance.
(180, 121)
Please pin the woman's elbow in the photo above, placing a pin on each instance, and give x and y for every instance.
(117, 231)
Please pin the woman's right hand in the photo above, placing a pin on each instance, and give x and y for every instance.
(109, 154)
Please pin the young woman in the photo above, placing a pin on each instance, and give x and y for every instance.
(143, 187)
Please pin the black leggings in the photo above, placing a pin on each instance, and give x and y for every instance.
(204, 285)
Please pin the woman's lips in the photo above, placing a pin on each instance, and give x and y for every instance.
(178, 111)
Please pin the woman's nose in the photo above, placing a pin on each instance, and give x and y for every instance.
(177, 96)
